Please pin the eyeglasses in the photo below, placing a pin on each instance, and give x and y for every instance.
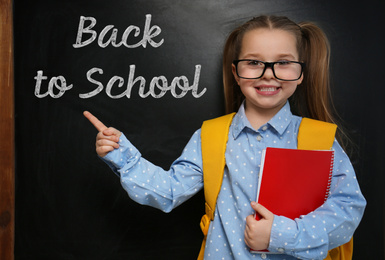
(282, 70)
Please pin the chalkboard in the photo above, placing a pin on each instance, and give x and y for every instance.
(152, 69)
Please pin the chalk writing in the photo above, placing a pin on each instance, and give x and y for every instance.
(55, 83)
(148, 34)
(157, 88)
(117, 87)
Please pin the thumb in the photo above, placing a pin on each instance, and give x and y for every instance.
(112, 131)
(261, 210)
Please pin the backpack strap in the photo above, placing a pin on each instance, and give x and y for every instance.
(214, 135)
(315, 135)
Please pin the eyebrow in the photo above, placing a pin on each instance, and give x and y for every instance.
(285, 55)
(279, 56)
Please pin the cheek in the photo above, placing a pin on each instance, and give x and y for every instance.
(245, 82)
(290, 87)
(244, 85)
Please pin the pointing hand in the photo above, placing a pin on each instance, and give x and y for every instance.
(108, 137)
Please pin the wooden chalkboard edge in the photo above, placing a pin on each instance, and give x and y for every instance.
(7, 134)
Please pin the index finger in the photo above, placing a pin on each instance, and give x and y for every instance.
(96, 122)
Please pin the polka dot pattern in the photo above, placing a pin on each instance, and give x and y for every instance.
(307, 237)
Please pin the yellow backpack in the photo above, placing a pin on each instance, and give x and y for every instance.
(312, 135)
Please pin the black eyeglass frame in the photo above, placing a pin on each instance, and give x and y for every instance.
(269, 65)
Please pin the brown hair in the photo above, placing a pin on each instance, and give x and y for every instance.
(312, 99)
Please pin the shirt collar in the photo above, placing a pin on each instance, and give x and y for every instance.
(282, 119)
(279, 122)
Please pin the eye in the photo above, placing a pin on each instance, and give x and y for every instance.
(255, 63)
(284, 63)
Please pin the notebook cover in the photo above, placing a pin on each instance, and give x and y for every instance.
(294, 182)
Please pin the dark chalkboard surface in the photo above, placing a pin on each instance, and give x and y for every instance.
(152, 69)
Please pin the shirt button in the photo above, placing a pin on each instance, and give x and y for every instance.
(263, 256)
(259, 138)
(264, 128)
(281, 250)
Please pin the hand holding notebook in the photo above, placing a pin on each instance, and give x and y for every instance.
(294, 182)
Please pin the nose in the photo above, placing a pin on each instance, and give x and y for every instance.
(268, 74)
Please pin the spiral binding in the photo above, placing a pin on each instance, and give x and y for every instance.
(330, 177)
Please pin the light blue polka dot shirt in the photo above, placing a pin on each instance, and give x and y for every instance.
(307, 237)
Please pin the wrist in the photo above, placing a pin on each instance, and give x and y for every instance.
(282, 235)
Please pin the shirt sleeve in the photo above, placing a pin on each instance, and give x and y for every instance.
(329, 226)
(151, 185)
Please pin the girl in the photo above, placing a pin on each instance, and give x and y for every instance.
(267, 62)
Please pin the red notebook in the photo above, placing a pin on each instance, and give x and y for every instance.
(294, 182)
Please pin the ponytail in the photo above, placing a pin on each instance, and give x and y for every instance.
(232, 92)
(313, 97)
(314, 91)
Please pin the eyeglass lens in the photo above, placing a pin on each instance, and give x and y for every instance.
(282, 70)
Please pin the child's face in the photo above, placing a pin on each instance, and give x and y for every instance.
(267, 93)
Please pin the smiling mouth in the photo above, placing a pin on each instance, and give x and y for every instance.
(267, 89)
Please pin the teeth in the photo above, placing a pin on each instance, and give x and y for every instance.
(267, 89)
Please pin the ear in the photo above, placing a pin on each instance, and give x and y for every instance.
(300, 80)
(233, 69)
